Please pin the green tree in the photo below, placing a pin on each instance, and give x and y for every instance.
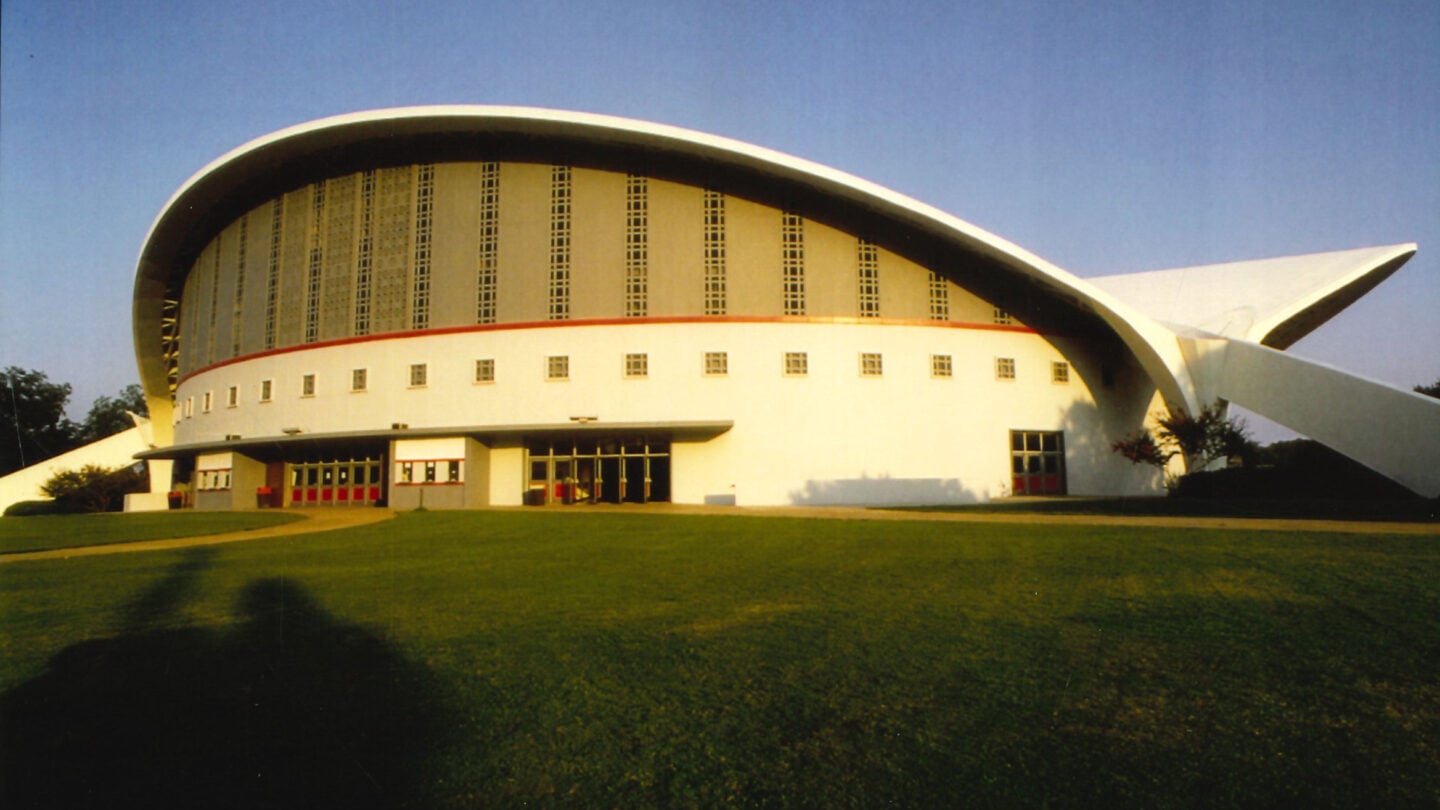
(32, 410)
(93, 488)
(110, 415)
(1431, 390)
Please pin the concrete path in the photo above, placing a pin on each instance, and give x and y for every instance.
(324, 520)
(1025, 518)
(314, 520)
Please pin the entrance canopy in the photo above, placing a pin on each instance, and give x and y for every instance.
(301, 443)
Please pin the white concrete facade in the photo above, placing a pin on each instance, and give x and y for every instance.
(832, 435)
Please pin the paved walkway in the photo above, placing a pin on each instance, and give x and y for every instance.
(314, 520)
(1026, 518)
(324, 520)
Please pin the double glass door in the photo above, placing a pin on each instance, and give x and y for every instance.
(1037, 462)
(335, 483)
(572, 470)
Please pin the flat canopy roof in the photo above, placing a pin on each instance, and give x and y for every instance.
(697, 431)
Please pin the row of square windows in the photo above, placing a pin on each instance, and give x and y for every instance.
(637, 365)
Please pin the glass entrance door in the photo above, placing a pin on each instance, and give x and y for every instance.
(353, 482)
(584, 470)
(1037, 462)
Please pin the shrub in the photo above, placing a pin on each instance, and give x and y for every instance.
(1199, 440)
(93, 488)
(32, 508)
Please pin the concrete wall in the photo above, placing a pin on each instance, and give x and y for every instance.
(831, 435)
(113, 451)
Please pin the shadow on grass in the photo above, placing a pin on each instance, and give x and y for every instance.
(289, 707)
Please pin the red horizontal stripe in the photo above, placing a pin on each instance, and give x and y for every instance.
(666, 319)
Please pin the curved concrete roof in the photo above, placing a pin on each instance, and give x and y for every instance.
(1273, 302)
(263, 168)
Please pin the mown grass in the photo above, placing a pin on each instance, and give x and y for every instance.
(42, 532)
(572, 659)
(1418, 510)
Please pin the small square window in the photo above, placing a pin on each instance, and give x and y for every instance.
(485, 370)
(232, 396)
(267, 390)
(1004, 368)
(359, 379)
(307, 385)
(871, 364)
(557, 367)
(1059, 372)
(940, 365)
(637, 365)
(419, 374)
(797, 364)
(717, 364)
(206, 401)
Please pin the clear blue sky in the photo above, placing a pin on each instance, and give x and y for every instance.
(1106, 137)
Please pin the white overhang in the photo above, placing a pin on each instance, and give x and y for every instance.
(1273, 302)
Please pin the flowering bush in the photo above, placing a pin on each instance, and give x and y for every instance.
(1199, 440)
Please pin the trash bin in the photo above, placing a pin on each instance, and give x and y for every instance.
(262, 497)
(176, 499)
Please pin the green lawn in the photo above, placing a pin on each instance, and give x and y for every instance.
(41, 532)
(472, 659)
(1415, 510)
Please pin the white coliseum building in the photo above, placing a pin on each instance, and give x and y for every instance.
(466, 306)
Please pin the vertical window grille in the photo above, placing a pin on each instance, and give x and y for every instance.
(272, 272)
(170, 337)
(419, 374)
(868, 260)
(715, 292)
(359, 379)
(871, 364)
(237, 322)
(1004, 368)
(1060, 372)
(487, 273)
(560, 193)
(424, 223)
(637, 249)
(485, 370)
(365, 254)
(939, 298)
(717, 364)
(267, 390)
(940, 365)
(232, 396)
(206, 400)
(307, 385)
(637, 365)
(557, 367)
(797, 364)
(792, 262)
(317, 254)
(214, 302)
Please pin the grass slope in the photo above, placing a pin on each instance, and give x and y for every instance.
(571, 659)
(42, 532)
